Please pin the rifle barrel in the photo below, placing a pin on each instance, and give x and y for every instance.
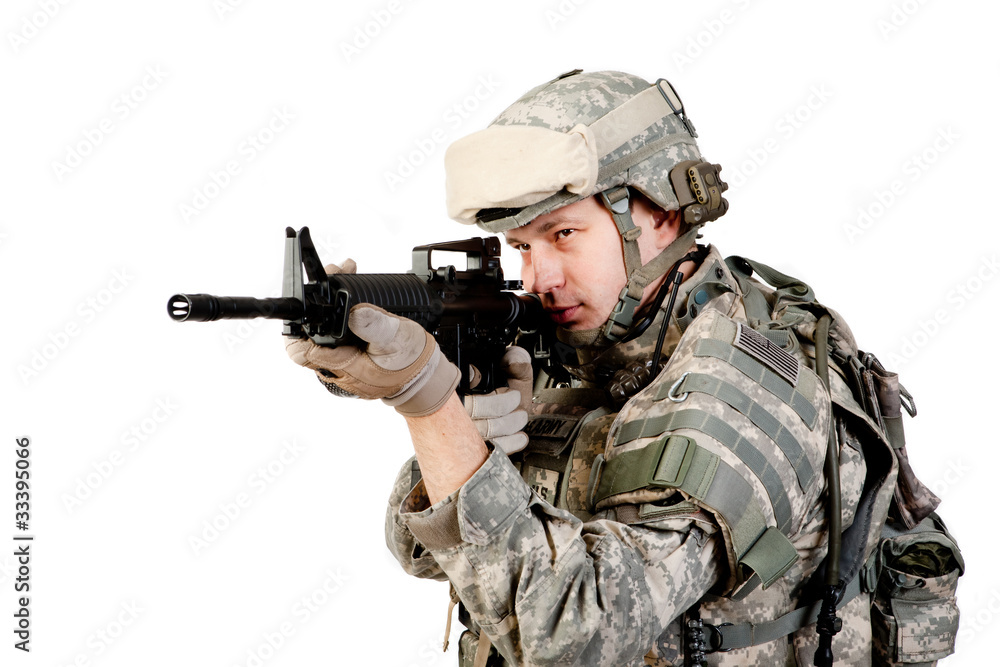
(208, 308)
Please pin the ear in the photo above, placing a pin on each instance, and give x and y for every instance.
(670, 218)
(666, 226)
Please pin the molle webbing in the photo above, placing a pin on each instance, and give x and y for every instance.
(754, 415)
(760, 416)
(719, 430)
(798, 398)
(679, 462)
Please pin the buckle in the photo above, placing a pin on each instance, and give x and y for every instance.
(616, 200)
(717, 639)
(619, 204)
(624, 309)
(622, 314)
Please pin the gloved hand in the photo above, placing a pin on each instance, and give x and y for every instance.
(500, 415)
(402, 363)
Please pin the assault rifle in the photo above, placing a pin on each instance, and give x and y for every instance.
(473, 313)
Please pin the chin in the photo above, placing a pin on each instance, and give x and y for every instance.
(582, 326)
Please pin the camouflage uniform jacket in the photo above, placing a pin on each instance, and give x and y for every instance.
(550, 583)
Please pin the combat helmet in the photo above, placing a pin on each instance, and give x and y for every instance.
(583, 134)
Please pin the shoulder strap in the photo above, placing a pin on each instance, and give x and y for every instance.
(788, 291)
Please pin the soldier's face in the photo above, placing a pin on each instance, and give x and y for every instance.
(573, 259)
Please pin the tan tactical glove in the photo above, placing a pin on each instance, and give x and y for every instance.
(500, 415)
(402, 363)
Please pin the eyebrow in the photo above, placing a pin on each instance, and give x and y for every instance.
(541, 230)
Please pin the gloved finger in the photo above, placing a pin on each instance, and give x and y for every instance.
(501, 402)
(508, 424)
(475, 377)
(511, 443)
(393, 342)
(349, 266)
(516, 362)
(302, 350)
(306, 353)
(298, 349)
(500, 426)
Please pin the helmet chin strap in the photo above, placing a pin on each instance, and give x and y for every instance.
(616, 200)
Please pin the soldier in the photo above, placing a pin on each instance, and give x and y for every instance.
(658, 495)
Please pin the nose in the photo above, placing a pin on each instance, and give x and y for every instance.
(542, 271)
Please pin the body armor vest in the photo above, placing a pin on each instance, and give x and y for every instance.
(736, 426)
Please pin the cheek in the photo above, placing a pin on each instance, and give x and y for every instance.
(608, 273)
(606, 279)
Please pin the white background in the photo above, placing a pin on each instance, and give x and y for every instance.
(144, 432)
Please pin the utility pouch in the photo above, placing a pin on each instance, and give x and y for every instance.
(914, 576)
(884, 400)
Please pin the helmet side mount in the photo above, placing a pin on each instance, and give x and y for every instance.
(699, 189)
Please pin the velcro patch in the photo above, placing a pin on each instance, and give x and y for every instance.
(543, 482)
(763, 350)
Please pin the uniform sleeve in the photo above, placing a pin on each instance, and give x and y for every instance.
(547, 588)
(412, 556)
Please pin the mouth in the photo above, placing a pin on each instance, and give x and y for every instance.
(563, 316)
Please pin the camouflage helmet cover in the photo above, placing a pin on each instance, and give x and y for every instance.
(628, 132)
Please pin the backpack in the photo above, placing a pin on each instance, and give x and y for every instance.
(898, 550)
